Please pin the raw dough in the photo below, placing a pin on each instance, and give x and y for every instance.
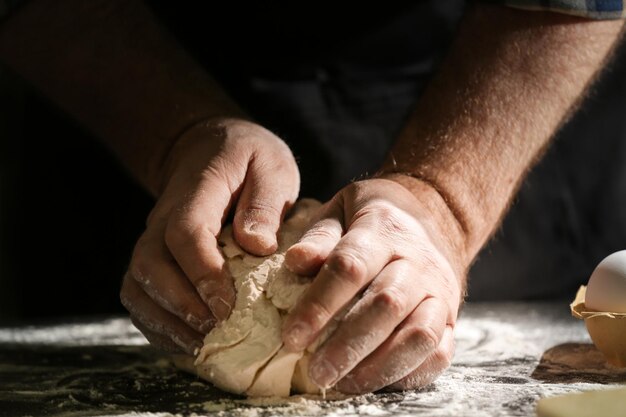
(244, 353)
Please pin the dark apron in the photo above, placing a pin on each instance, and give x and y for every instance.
(338, 84)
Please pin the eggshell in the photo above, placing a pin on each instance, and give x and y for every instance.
(607, 329)
(606, 290)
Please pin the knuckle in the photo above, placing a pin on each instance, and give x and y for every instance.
(348, 267)
(391, 301)
(393, 225)
(281, 160)
(380, 209)
(443, 357)
(417, 379)
(316, 315)
(318, 232)
(390, 219)
(424, 336)
(354, 350)
(277, 154)
(383, 209)
(303, 261)
(225, 164)
(193, 237)
(177, 234)
(259, 207)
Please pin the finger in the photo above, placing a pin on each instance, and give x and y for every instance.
(358, 257)
(390, 298)
(158, 274)
(157, 340)
(157, 319)
(307, 256)
(415, 339)
(270, 189)
(190, 236)
(432, 367)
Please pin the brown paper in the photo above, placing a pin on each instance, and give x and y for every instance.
(607, 329)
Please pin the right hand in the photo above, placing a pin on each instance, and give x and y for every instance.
(177, 287)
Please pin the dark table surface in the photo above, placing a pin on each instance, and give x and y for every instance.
(508, 356)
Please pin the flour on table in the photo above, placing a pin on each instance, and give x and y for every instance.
(244, 354)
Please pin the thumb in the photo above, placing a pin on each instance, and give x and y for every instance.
(270, 189)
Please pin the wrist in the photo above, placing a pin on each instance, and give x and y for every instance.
(438, 217)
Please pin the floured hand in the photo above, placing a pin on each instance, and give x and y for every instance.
(177, 287)
(376, 238)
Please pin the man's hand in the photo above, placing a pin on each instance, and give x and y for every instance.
(375, 240)
(509, 80)
(176, 287)
(117, 70)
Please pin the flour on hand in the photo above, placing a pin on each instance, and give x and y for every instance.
(244, 353)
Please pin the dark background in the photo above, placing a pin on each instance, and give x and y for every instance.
(69, 214)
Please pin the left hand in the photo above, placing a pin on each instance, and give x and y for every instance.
(403, 252)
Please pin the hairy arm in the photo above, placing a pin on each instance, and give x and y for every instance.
(405, 239)
(113, 67)
(118, 72)
(510, 80)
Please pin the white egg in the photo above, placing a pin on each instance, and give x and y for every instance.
(606, 290)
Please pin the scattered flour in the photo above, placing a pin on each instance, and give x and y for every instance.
(302, 405)
(116, 331)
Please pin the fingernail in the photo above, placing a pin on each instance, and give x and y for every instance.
(219, 307)
(323, 374)
(347, 385)
(297, 258)
(263, 234)
(297, 335)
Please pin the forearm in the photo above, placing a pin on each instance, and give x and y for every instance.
(509, 81)
(111, 66)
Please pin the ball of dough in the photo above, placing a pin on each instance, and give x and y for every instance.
(244, 354)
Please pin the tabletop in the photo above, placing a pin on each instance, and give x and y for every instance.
(508, 356)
